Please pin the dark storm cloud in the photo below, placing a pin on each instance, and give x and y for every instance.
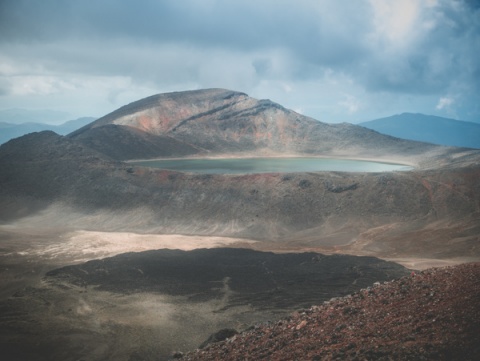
(413, 47)
(319, 33)
(314, 36)
(326, 34)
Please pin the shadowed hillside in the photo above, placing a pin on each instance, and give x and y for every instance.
(376, 213)
(76, 181)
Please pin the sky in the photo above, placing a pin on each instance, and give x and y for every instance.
(333, 60)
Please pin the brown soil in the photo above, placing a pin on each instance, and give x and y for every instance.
(430, 315)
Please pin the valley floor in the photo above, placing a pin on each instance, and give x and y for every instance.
(37, 316)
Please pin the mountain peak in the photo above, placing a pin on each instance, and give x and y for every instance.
(160, 113)
(222, 121)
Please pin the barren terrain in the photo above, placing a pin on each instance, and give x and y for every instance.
(63, 318)
(429, 315)
(102, 259)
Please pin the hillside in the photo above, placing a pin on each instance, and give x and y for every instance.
(431, 315)
(58, 181)
(219, 121)
(78, 181)
(428, 128)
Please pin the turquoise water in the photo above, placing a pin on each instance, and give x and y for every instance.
(270, 165)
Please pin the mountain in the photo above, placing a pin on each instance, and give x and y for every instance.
(219, 121)
(19, 116)
(9, 130)
(72, 125)
(428, 128)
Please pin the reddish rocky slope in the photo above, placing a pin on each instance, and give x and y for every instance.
(430, 315)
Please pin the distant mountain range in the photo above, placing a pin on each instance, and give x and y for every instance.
(428, 128)
(166, 140)
(19, 116)
(11, 130)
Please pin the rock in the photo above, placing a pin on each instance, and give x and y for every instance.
(177, 355)
(218, 336)
(301, 325)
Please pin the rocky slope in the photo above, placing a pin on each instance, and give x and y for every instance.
(78, 182)
(219, 121)
(41, 168)
(64, 183)
(430, 315)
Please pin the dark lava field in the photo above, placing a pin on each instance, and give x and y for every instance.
(148, 305)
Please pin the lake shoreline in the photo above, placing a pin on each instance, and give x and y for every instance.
(403, 162)
(259, 164)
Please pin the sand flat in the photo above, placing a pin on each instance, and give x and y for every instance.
(81, 246)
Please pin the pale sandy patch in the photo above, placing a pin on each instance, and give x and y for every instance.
(81, 246)
(425, 263)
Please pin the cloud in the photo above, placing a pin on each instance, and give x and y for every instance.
(403, 46)
(394, 22)
(365, 48)
(4, 87)
(350, 103)
(427, 47)
(444, 102)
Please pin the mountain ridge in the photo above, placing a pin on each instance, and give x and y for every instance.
(12, 130)
(219, 121)
(428, 128)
